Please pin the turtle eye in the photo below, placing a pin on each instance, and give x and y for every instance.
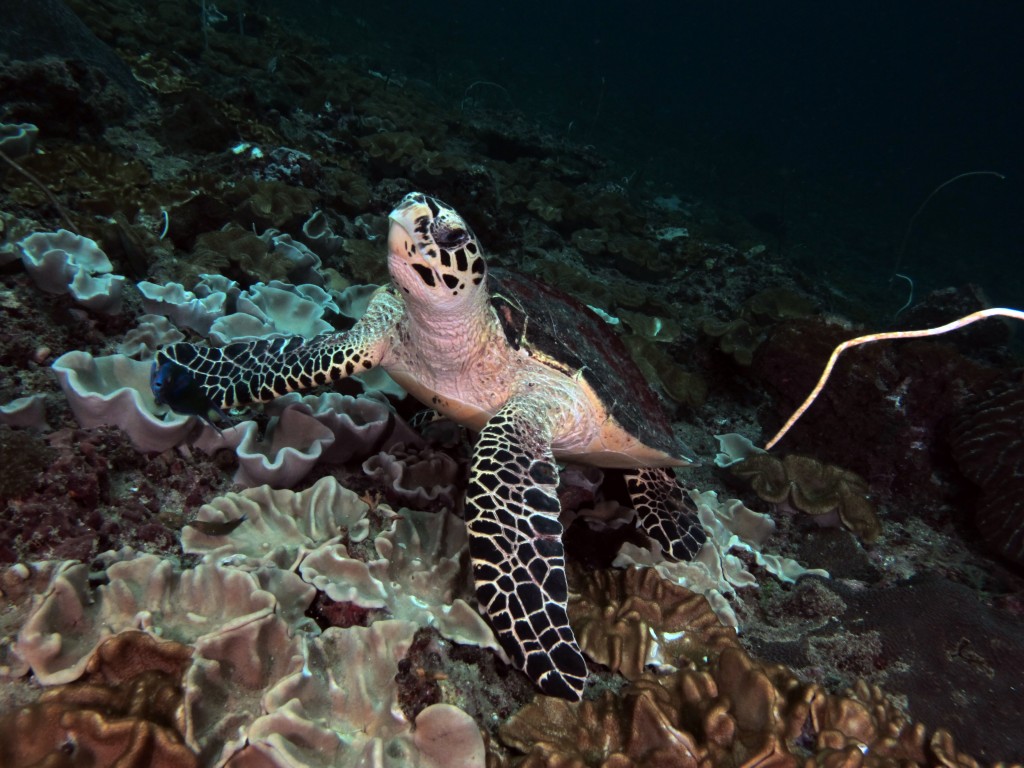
(450, 238)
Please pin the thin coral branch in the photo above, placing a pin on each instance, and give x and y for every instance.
(46, 191)
(967, 320)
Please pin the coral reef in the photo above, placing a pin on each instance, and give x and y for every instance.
(720, 707)
(327, 628)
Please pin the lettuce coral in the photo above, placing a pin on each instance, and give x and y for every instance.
(716, 572)
(264, 686)
(114, 390)
(63, 262)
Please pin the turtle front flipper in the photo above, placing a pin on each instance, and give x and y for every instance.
(515, 540)
(663, 513)
(259, 371)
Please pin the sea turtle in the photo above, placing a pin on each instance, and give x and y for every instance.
(538, 375)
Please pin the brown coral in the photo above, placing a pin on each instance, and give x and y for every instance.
(659, 367)
(742, 336)
(125, 711)
(270, 204)
(628, 619)
(731, 712)
(814, 488)
(236, 253)
(721, 708)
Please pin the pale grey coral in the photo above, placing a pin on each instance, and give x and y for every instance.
(376, 380)
(20, 587)
(359, 424)
(114, 390)
(275, 308)
(293, 443)
(24, 412)
(415, 476)
(18, 139)
(281, 527)
(341, 709)
(320, 236)
(329, 701)
(184, 308)
(305, 263)
(150, 334)
(424, 569)
(141, 592)
(422, 573)
(231, 675)
(63, 262)
(420, 576)
(353, 301)
(212, 297)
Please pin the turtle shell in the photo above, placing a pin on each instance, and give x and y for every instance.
(571, 337)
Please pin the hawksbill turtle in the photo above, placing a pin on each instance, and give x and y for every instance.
(538, 375)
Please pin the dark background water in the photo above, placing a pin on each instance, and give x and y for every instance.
(825, 124)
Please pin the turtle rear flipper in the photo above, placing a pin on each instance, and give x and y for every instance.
(515, 540)
(663, 512)
(259, 371)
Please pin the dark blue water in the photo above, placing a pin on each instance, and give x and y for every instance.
(832, 121)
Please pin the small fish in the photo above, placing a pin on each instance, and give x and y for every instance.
(210, 528)
(174, 386)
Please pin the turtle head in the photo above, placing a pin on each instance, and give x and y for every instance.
(433, 255)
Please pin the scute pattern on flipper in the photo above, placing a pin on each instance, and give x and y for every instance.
(664, 512)
(515, 540)
(259, 371)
